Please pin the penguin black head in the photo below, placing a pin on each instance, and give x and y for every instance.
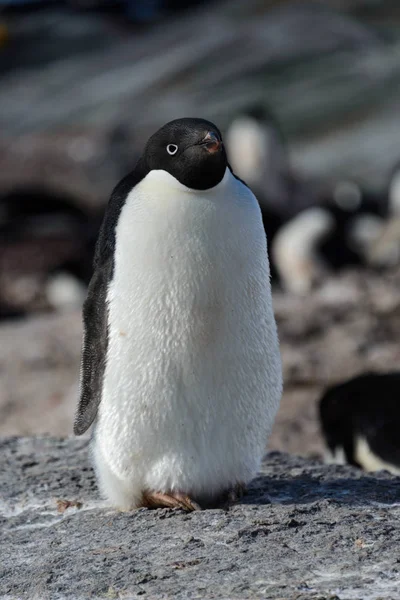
(191, 150)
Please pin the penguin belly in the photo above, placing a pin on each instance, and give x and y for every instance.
(193, 377)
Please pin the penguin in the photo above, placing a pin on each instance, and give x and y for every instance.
(359, 420)
(181, 371)
(294, 250)
(334, 234)
(259, 154)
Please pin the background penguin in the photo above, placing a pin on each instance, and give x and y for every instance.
(357, 217)
(46, 250)
(258, 154)
(335, 234)
(295, 251)
(181, 368)
(360, 422)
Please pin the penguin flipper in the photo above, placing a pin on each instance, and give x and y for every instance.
(94, 348)
(95, 338)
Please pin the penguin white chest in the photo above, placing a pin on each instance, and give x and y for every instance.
(193, 376)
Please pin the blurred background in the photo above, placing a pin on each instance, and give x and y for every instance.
(307, 95)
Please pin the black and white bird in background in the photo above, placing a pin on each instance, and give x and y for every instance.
(360, 422)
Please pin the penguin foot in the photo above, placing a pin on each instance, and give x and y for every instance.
(170, 500)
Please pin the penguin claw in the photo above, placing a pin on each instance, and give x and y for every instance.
(169, 500)
(187, 502)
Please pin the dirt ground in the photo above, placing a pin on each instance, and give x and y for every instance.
(349, 325)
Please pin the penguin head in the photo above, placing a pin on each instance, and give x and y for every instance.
(191, 150)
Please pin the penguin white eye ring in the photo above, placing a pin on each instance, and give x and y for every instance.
(172, 149)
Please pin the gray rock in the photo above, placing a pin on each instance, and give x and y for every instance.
(304, 531)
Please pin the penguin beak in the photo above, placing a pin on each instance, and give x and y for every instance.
(211, 142)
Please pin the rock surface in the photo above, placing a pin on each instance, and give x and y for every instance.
(304, 531)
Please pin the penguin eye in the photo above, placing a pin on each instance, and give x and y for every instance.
(172, 149)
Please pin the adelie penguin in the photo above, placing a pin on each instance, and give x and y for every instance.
(181, 369)
(360, 422)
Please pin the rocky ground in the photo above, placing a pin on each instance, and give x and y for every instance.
(348, 325)
(304, 531)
